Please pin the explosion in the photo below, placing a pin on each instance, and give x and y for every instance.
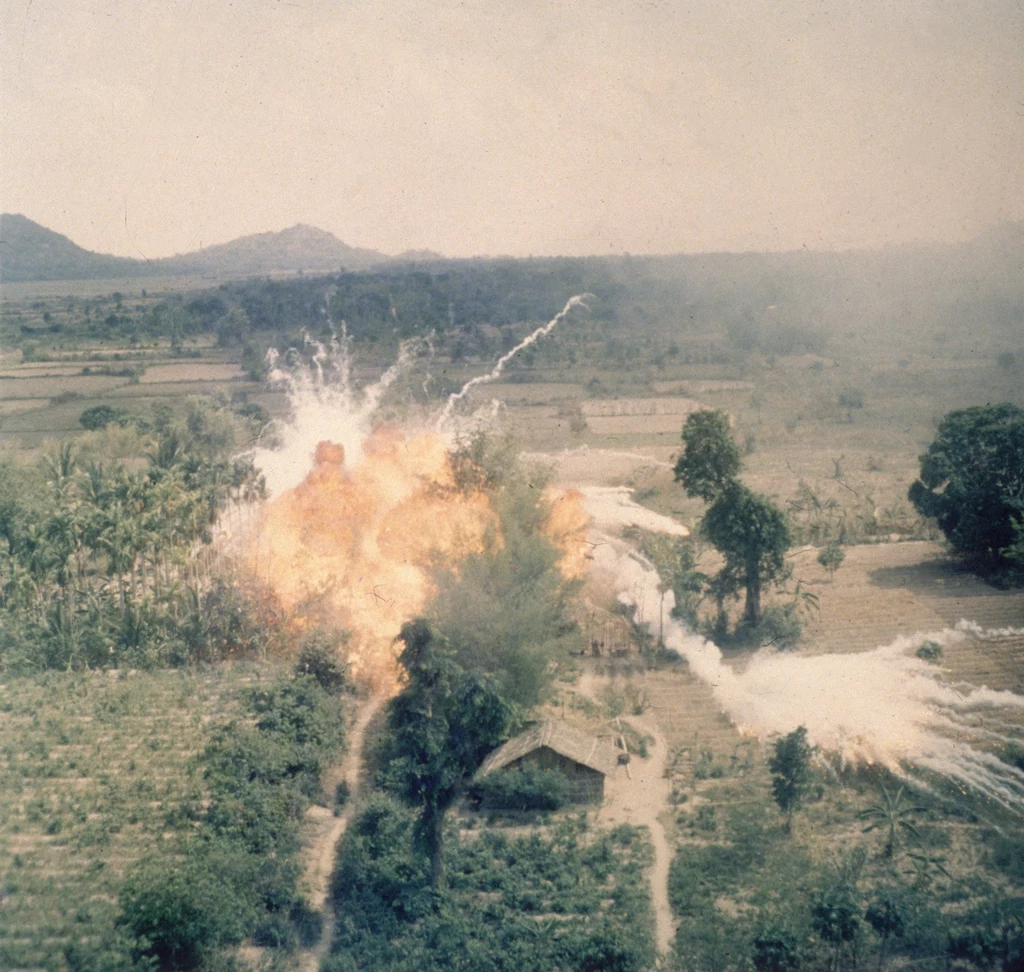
(351, 542)
(353, 546)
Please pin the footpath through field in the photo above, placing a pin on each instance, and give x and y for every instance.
(328, 830)
(638, 795)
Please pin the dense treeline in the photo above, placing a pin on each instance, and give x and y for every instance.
(729, 305)
(111, 562)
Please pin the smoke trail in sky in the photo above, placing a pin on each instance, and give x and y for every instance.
(499, 367)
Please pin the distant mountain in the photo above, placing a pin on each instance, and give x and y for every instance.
(29, 251)
(302, 247)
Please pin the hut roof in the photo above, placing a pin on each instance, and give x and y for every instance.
(572, 743)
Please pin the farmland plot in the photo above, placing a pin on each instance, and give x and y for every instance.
(95, 769)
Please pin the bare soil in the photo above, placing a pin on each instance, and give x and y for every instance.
(638, 795)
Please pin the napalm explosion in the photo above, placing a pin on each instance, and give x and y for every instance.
(359, 511)
(350, 541)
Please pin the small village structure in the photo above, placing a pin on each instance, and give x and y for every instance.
(608, 635)
(585, 760)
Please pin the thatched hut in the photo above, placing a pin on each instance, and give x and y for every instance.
(585, 760)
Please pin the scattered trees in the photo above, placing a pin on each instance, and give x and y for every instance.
(972, 480)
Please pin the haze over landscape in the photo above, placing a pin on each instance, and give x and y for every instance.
(146, 130)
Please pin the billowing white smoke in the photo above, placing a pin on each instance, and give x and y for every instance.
(615, 506)
(326, 405)
(884, 706)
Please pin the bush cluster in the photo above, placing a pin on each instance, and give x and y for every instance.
(238, 874)
(571, 900)
(523, 787)
(109, 563)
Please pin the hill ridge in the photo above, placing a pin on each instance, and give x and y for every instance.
(31, 251)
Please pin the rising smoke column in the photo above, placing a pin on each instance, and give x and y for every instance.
(883, 706)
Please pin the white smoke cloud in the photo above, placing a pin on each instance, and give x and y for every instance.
(883, 706)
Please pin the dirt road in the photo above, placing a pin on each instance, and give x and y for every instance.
(329, 829)
(638, 795)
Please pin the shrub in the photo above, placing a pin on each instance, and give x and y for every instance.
(99, 417)
(525, 787)
(775, 950)
(930, 651)
(180, 911)
(318, 659)
(780, 627)
(831, 557)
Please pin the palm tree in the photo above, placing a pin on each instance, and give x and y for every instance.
(891, 815)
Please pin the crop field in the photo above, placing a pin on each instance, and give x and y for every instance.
(96, 771)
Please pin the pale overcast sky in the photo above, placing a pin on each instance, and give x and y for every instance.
(145, 128)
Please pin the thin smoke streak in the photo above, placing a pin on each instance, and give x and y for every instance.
(495, 373)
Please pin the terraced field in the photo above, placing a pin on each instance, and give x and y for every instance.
(94, 769)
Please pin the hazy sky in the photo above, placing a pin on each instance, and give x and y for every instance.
(148, 127)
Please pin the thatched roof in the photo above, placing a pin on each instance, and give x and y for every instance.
(578, 746)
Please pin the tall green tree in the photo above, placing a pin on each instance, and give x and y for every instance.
(710, 460)
(751, 532)
(790, 765)
(442, 725)
(972, 480)
(748, 529)
(503, 609)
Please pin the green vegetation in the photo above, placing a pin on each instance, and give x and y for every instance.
(831, 557)
(155, 816)
(745, 892)
(522, 788)
(237, 873)
(505, 610)
(748, 529)
(108, 563)
(104, 771)
(929, 651)
(570, 899)
(442, 725)
(972, 481)
(791, 772)
(710, 459)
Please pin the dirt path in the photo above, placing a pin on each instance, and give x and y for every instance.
(638, 795)
(329, 829)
